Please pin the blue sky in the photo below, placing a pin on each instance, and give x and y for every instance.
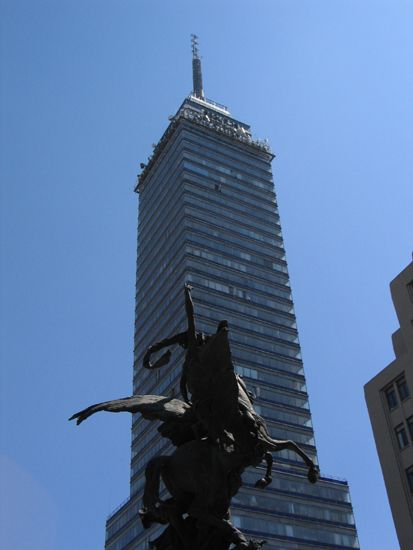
(86, 88)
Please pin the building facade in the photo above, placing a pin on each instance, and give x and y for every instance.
(390, 404)
(208, 215)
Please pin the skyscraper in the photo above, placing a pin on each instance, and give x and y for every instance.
(208, 215)
(390, 405)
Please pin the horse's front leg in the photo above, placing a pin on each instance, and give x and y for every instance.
(313, 469)
(266, 480)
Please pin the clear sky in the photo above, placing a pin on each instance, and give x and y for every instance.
(86, 88)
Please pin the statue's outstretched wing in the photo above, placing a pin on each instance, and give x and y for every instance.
(152, 407)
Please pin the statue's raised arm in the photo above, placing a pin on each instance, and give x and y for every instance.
(190, 315)
(187, 339)
(181, 339)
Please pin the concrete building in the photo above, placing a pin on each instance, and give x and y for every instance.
(389, 397)
(208, 215)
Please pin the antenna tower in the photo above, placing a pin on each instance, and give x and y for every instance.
(198, 90)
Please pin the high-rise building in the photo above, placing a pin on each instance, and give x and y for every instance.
(208, 215)
(390, 405)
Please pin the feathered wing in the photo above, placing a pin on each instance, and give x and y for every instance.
(152, 407)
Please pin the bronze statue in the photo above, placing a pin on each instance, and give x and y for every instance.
(217, 434)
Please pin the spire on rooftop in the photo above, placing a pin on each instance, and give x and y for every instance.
(198, 90)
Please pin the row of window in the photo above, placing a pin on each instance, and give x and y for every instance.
(232, 210)
(220, 259)
(230, 189)
(249, 163)
(201, 188)
(397, 391)
(272, 344)
(239, 179)
(270, 376)
(269, 261)
(160, 197)
(228, 274)
(259, 357)
(299, 485)
(235, 279)
(233, 306)
(268, 502)
(151, 274)
(253, 297)
(146, 302)
(275, 396)
(231, 237)
(234, 225)
(284, 528)
(401, 433)
(232, 169)
(147, 333)
(167, 173)
(250, 325)
(279, 415)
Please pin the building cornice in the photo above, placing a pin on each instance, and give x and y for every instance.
(210, 120)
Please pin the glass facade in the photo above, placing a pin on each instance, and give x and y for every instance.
(208, 215)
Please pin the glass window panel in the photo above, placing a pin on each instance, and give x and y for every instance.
(391, 397)
(410, 426)
(402, 388)
(401, 436)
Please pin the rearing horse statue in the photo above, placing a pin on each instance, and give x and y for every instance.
(217, 434)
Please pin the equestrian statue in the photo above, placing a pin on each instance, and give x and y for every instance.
(216, 434)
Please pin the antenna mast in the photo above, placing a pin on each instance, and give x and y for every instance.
(198, 90)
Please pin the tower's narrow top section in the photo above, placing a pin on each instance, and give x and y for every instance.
(198, 90)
